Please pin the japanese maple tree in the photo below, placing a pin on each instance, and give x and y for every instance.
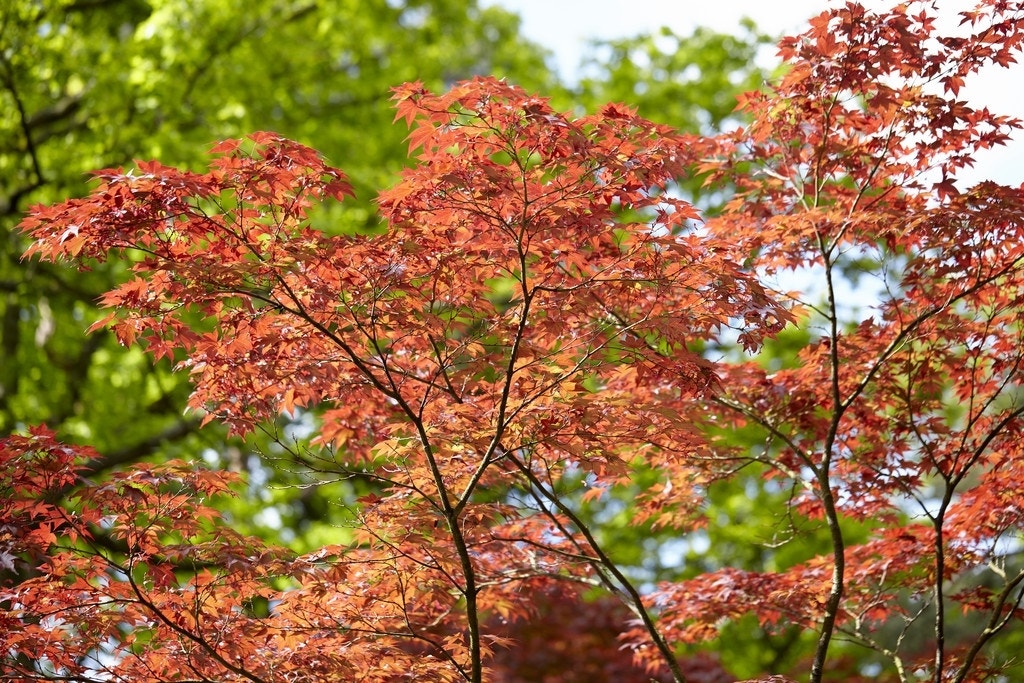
(523, 337)
(534, 281)
(907, 420)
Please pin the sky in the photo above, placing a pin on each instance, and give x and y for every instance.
(566, 26)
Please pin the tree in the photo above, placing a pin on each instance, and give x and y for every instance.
(906, 420)
(533, 331)
(452, 351)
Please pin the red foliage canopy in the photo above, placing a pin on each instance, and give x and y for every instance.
(530, 316)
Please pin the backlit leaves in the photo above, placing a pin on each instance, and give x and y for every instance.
(524, 334)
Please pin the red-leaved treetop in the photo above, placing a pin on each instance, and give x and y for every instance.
(530, 316)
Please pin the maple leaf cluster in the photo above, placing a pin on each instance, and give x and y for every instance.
(522, 334)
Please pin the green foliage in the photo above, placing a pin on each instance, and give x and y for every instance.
(665, 74)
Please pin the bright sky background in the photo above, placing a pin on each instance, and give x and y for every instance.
(566, 26)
